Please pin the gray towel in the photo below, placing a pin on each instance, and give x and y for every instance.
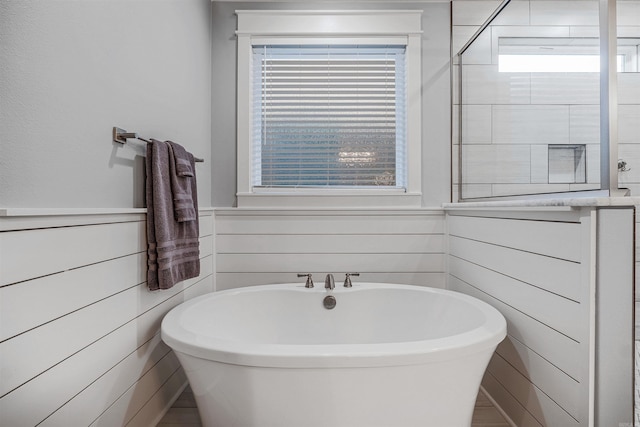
(173, 251)
(182, 167)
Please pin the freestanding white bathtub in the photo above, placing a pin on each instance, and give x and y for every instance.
(386, 355)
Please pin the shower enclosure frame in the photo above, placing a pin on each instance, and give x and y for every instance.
(608, 109)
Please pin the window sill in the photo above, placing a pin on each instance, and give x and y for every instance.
(331, 199)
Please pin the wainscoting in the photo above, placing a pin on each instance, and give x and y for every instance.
(261, 246)
(561, 278)
(79, 331)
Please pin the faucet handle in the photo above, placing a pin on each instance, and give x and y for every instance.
(347, 279)
(309, 283)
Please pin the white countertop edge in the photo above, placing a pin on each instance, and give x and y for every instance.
(548, 203)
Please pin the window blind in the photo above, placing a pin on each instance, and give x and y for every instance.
(328, 116)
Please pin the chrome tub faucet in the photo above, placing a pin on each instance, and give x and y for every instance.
(329, 283)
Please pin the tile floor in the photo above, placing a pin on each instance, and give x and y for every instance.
(184, 413)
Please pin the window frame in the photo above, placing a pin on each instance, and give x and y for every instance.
(329, 27)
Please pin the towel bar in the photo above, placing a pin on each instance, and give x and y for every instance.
(120, 136)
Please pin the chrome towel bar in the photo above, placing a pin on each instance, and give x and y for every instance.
(121, 136)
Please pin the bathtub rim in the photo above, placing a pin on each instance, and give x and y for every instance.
(484, 337)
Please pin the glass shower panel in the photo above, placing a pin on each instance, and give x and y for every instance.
(529, 101)
(628, 30)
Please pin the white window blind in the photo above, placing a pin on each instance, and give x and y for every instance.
(329, 116)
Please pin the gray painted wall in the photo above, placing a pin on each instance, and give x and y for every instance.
(71, 70)
(435, 93)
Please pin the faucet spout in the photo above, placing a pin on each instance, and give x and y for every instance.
(329, 283)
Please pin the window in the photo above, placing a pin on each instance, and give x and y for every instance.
(560, 55)
(536, 63)
(328, 116)
(329, 106)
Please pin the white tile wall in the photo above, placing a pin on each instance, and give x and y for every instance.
(473, 12)
(511, 189)
(460, 35)
(502, 164)
(629, 123)
(558, 12)
(628, 31)
(584, 187)
(530, 124)
(565, 88)
(518, 13)
(630, 153)
(629, 87)
(584, 124)
(539, 164)
(483, 84)
(628, 13)
(593, 164)
(472, 191)
(479, 52)
(586, 31)
(476, 126)
(540, 108)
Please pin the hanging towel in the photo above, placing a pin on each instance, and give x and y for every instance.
(182, 176)
(173, 251)
(184, 165)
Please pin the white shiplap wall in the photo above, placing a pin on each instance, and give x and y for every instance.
(543, 270)
(79, 331)
(637, 322)
(533, 271)
(262, 246)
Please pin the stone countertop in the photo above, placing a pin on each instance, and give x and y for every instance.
(566, 202)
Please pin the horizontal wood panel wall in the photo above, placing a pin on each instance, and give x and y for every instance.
(536, 270)
(637, 321)
(79, 331)
(271, 246)
(637, 297)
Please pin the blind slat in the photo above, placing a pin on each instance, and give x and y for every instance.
(328, 116)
